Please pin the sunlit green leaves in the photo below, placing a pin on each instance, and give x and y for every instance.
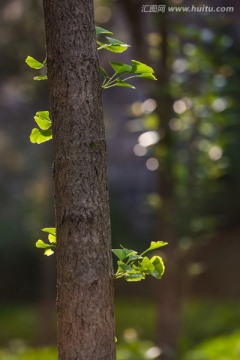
(123, 253)
(134, 276)
(155, 245)
(44, 133)
(99, 31)
(113, 45)
(48, 247)
(122, 72)
(37, 65)
(39, 78)
(50, 231)
(110, 44)
(140, 68)
(148, 76)
(135, 267)
(43, 120)
(124, 84)
(136, 69)
(38, 136)
(33, 63)
(41, 245)
(119, 67)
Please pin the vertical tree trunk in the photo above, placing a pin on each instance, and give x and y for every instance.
(169, 293)
(84, 262)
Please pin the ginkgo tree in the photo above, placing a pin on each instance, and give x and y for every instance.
(82, 236)
(131, 265)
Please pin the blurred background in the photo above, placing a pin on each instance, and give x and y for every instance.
(174, 175)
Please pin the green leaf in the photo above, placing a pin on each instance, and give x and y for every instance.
(33, 63)
(39, 78)
(124, 84)
(123, 253)
(116, 48)
(50, 230)
(115, 41)
(134, 257)
(146, 265)
(52, 239)
(99, 30)
(41, 244)
(120, 67)
(43, 120)
(134, 276)
(140, 68)
(156, 245)
(44, 115)
(48, 252)
(158, 265)
(124, 267)
(148, 76)
(39, 136)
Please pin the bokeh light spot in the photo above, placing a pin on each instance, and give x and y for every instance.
(148, 106)
(102, 14)
(139, 150)
(179, 106)
(148, 138)
(152, 164)
(215, 153)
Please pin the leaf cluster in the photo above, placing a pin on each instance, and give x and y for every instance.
(44, 132)
(122, 71)
(48, 247)
(135, 267)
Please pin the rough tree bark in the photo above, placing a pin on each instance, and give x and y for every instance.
(84, 261)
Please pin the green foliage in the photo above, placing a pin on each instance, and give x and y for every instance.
(135, 267)
(33, 63)
(37, 65)
(18, 322)
(220, 348)
(122, 72)
(44, 133)
(29, 354)
(222, 318)
(137, 70)
(39, 136)
(131, 265)
(113, 45)
(48, 247)
(99, 30)
(42, 77)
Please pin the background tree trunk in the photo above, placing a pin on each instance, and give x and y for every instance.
(169, 294)
(84, 261)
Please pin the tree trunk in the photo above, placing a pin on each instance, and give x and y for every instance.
(169, 294)
(84, 261)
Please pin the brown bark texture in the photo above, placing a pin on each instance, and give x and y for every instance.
(84, 261)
